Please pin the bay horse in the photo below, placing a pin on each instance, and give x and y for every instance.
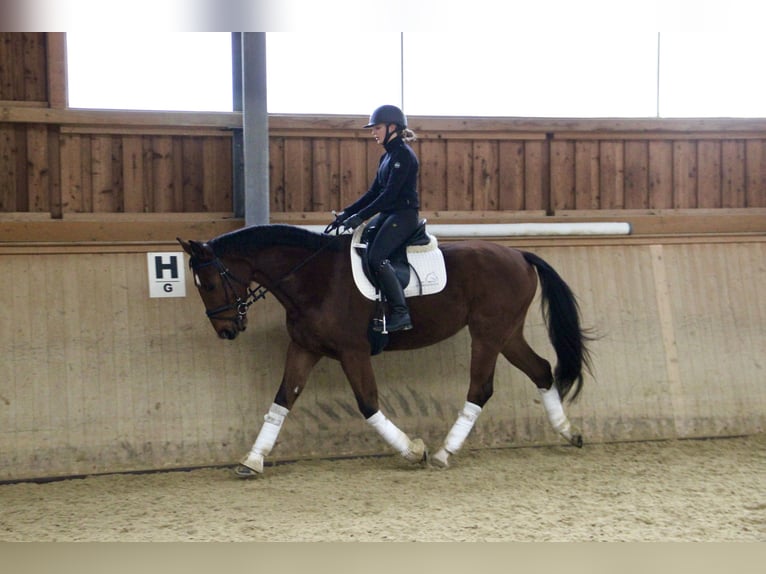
(489, 288)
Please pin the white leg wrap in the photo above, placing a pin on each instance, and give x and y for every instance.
(457, 434)
(463, 425)
(555, 411)
(267, 437)
(395, 437)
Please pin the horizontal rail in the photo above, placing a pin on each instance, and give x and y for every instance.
(519, 229)
(37, 228)
(111, 118)
(427, 127)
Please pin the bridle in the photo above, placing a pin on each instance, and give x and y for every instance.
(242, 304)
(239, 304)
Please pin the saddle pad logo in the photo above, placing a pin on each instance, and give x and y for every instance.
(431, 279)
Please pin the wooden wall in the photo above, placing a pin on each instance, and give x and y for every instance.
(507, 164)
(148, 163)
(141, 173)
(58, 161)
(24, 66)
(73, 167)
(98, 377)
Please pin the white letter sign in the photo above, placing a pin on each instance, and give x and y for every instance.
(166, 274)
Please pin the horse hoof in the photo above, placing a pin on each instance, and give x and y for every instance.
(440, 459)
(572, 436)
(418, 453)
(242, 471)
(576, 440)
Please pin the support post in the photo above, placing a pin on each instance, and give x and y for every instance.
(237, 155)
(255, 128)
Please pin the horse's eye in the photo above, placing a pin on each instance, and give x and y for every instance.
(204, 286)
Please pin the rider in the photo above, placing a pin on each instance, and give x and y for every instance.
(393, 197)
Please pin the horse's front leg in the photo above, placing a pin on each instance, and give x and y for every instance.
(358, 370)
(298, 365)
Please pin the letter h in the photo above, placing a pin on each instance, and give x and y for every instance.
(160, 267)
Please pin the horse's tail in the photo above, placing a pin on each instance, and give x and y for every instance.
(562, 316)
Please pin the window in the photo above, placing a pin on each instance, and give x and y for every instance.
(567, 73)
(188, 71)
(332, 73)
(526, 74)
(712, 75)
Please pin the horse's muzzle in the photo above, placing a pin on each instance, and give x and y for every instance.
(229, 334)
(233, 328)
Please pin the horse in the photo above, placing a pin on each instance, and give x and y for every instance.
(489, 289)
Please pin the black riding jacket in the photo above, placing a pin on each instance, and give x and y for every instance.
(395, 184)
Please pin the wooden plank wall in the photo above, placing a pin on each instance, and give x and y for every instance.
(140, 173)
(76, 161)
(506, 164)
(115, 169)
(23, 66)
(648, 172)
(113, 172)
(97, 377)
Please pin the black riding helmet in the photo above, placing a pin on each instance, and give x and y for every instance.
(388, 115)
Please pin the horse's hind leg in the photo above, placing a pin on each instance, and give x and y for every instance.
(521, 355)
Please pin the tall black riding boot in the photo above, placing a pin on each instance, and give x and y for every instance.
(398, 318)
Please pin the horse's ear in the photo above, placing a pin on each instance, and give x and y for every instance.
(185, 244)
(196, 249)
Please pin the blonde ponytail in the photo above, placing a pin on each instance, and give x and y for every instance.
(408, 135)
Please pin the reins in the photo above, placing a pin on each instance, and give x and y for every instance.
(241, 305)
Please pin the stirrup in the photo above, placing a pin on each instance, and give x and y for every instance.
(404, 323)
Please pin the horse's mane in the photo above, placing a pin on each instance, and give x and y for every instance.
(259, 236)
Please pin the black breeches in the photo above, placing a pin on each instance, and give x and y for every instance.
(393, 230)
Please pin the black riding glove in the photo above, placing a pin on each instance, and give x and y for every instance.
(335, 225)
(353, 222)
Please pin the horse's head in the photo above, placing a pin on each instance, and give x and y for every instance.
(223, 286)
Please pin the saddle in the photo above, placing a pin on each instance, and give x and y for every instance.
(418, 263)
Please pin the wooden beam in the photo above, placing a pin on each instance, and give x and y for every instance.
(27, 114)
(598, 127)
(123, 228)
(146, 131)
(647, 226)
(427, 127)
(58, 92)
(55, 199)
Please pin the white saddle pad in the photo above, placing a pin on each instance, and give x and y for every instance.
(428, 275)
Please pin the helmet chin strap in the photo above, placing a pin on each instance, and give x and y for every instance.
(388, 134)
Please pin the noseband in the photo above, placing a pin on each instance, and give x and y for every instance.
(239, 304)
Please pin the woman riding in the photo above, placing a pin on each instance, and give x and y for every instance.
(393, 196)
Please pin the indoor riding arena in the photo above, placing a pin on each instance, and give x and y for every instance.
(122, 414)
